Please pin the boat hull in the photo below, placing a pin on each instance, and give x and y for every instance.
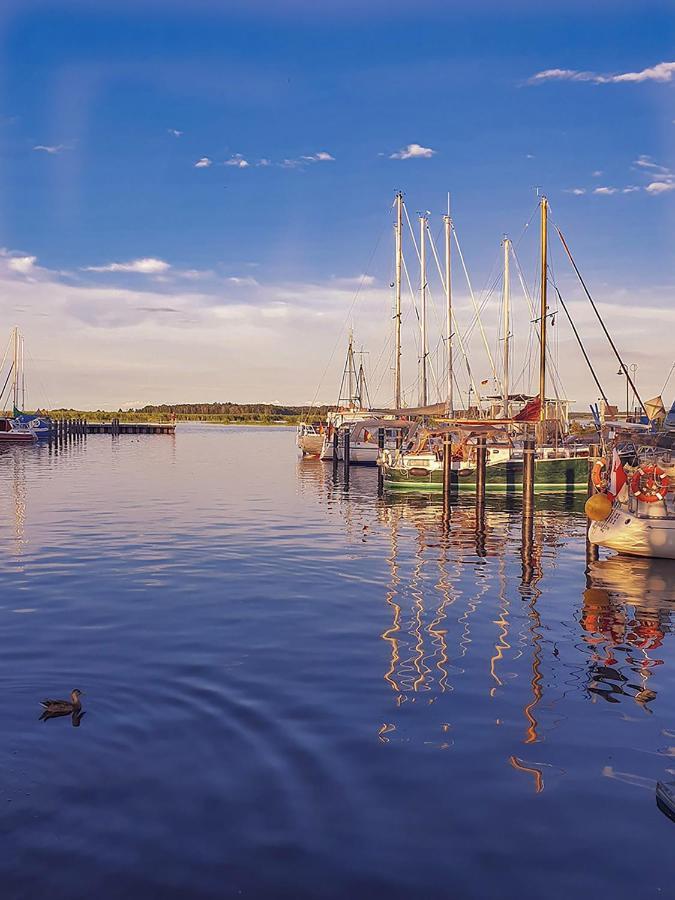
(555, 476)
(634, 535)
(310, 444)
(17, 437)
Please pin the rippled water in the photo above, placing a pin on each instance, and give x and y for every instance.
(294, 689)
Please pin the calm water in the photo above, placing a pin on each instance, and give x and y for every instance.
(296, 690)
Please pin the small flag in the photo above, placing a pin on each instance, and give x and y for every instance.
(617, 477)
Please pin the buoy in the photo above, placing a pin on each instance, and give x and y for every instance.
(598, 507)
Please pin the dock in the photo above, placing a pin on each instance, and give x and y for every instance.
(66, 428)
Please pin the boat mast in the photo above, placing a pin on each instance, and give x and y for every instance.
(423, 304)
(350, 369)
(448, 305)
(542, 312)
(397, 316)
(23, 378)
(507, 311)
(16, 368)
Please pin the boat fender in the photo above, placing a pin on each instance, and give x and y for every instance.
(599, 475)
(598, 507)
(649, 484)
(419, 472)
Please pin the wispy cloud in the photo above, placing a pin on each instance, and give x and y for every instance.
(664, 178)
(203, 163)
(662, 72)
(24, 265)
(51, 148)
(175, 132)
(413, 151)
(147, 265)
(238, 161)
(576, 191)
(605, 191)
(321, 156)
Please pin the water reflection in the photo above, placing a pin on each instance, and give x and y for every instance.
(469, 590)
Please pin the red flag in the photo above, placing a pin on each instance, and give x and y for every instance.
(617, 477)
(530, 412)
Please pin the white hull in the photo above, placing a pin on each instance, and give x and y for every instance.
(626, 532)
(364, 454)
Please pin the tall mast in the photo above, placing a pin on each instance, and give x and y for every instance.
(448, 306)
(23, 378)
(16, 368)
(542, 312)
(350, 369)
(397, 316)
(423, 305)
(507, 311)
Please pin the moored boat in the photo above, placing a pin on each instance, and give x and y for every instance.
(11, 432)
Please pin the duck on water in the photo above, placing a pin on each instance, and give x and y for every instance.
(54, 708)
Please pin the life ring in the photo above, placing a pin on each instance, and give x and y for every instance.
(599, 475)
(649, 484)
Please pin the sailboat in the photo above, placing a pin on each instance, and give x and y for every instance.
(12, 430)
(40, 425)
(558, 468)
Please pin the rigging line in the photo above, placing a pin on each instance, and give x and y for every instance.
(457, 332)
(665, 383)
(528, 297)
(2, 392)
(600, 319)
(473, 300)
(580, 342)
(349, 312)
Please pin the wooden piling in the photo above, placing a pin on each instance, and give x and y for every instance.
(528, 477)
(336, 449)
(346, 461)
(447, 476)
(481, 463)
(380, 461)
(529, 450)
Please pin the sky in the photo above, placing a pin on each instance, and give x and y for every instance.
(196, 198)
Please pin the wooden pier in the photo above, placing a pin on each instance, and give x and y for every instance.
(69, 428)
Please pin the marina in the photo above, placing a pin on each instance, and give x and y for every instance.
(371, 664)
(337, 450)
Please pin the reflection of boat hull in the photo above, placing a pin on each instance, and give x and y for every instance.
(550, 475)
(626, 532)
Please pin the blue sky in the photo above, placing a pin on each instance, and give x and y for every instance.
(259, 261)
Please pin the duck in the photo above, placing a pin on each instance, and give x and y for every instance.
(64, 707)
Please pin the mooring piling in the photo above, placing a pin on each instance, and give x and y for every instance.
(336, 450)
(447, 476)
(380, 462)
(346, 461)
(528, 508)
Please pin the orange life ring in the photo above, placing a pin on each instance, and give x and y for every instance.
(649, 484)
(599, 475)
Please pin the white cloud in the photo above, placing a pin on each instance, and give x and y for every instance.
(238, 161)
(413, 151)
(597, 173)
(630, 189)
(321, 156)
(242, 282)
(662, 72)
(605, 191)
(175, 132)
(51, 148)
(576, 191)
(147, 265)
(203, 163)
(24, 265)
(660, 187)
(264, 162)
